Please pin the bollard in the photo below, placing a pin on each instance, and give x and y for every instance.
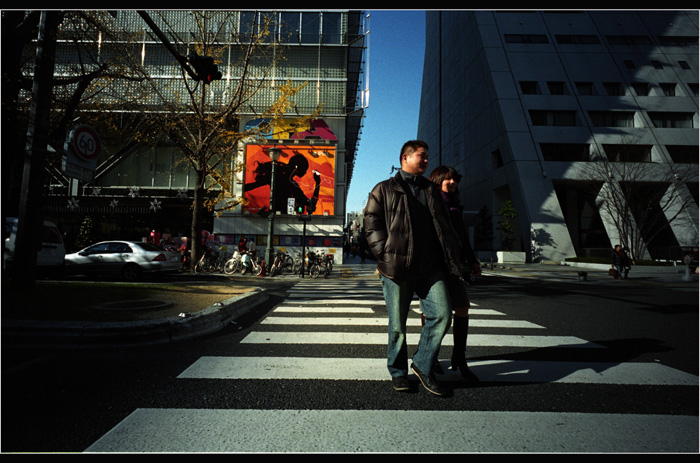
(686, 277)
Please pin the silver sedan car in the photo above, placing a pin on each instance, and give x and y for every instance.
(128, 259)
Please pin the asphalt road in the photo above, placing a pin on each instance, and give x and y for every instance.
(610, 368)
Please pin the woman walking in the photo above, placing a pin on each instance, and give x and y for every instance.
(448, 179)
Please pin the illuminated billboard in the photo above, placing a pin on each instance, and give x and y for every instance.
(304, 177)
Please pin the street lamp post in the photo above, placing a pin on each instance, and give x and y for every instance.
(274, 153)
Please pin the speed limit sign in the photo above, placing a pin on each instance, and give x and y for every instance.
(82, 148)
(86, 143)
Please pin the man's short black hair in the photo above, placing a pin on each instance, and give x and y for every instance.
(411, 146)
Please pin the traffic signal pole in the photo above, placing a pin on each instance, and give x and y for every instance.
(156, 30)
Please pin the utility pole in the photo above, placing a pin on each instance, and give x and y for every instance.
(31, 218)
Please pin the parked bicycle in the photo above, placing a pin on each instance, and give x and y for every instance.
(287, 263)
(326, 264)
(297, 264)
(206, 263)
(249, 263)
(211, 261)
(276, 268)
(233, 265)
(318, 263)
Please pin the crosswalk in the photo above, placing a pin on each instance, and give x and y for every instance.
(348, 311)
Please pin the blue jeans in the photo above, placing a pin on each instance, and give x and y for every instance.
(435, 302)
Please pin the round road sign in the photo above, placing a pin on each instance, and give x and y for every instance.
(86, 143)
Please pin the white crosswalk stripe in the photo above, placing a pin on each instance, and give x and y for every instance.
(494, 370)
(321, 313)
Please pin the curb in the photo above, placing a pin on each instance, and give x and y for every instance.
(105, 335)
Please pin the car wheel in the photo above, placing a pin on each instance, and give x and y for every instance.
(131, 272)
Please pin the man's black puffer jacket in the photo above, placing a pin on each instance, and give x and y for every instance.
(387, 223)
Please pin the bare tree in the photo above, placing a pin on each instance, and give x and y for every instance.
(641, 200)
(201, 118)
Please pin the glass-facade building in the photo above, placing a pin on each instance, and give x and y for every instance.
(528, 104)
(139, 189)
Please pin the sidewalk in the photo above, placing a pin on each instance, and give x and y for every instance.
(104, 335)
(100, 335)
(574, 271)
(639, 274)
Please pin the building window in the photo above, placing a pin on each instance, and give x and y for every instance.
(496, 159)
(247, 25)
(683, 154)
(685, 40)
(628, 153)
(656, 64)
(612, 88)
(556, 88)
(671, 120)
(310, 27)
(669, 89)
(628, 39)
(693, 88)
(290, 27)
(553, 118)
(629, 64)
(529, 87)
(585, 88)
(684, 65)
(331, 33)
(612, 118)
(577, 39)
(526, 38)
(641, 88)
(565, 152)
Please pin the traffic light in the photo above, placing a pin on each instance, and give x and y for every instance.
(300, 210)
(204, 68)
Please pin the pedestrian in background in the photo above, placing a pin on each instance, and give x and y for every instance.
(243, 245)
(447, 178)
(627, 261)
(409, 232)
(616, 261)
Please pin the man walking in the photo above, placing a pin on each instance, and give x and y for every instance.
(408, 230)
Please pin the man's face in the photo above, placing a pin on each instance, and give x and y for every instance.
(415, 162)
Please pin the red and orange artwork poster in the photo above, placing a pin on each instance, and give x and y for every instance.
(303, 173)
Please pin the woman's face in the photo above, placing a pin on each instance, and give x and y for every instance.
(449, 185)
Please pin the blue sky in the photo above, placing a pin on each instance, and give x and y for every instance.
(396, 48)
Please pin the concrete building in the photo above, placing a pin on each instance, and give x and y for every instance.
(139, 190)
(541, 107)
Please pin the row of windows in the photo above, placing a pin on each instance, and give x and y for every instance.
(660, 119)
(295, 27)
(589, 39)
(303, 27)
(581, 152)
(609, 88)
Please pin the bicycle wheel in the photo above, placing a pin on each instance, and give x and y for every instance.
(314, 271)
(230, 266)
(288, 264)
(199, 268)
